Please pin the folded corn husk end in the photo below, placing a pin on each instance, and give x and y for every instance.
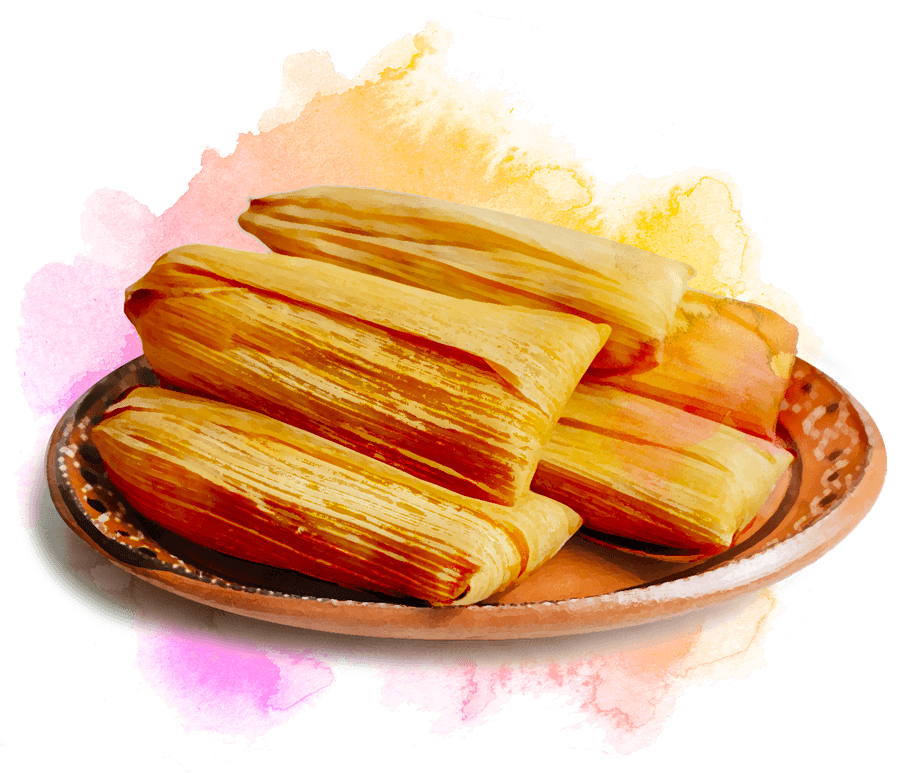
(545, 525)
(255, 488)
(726, 360)
(641, 470)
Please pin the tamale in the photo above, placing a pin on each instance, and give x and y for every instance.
(636, 468)
(255, 488)
(725, 360)
(480, 254)
(458, 392)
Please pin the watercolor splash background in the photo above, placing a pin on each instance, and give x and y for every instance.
(401, 124)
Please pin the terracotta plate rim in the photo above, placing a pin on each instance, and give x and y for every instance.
(537, 619)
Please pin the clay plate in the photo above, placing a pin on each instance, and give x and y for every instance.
(837, 474)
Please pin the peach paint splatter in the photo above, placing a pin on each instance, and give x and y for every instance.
(401, 124)
(627, 682)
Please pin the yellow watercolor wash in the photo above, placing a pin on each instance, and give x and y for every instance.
(305, 76)
(698, 225)
(403, 124)
(695, 217)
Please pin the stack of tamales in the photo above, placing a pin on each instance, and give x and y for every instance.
(390, 399)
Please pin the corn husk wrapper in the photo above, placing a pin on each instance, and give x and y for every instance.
(638, 469)
(725, 360)
(475, 253)
(457, 392)
(255, 488)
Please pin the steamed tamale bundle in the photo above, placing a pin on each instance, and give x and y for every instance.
(458, 392)
(474, 253)
(368, 403)
(253, 487)
(726, 360)
(636, 468)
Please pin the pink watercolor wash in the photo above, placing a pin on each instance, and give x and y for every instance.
(228, 689)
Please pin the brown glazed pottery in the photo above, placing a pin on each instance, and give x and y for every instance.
(838, 472)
